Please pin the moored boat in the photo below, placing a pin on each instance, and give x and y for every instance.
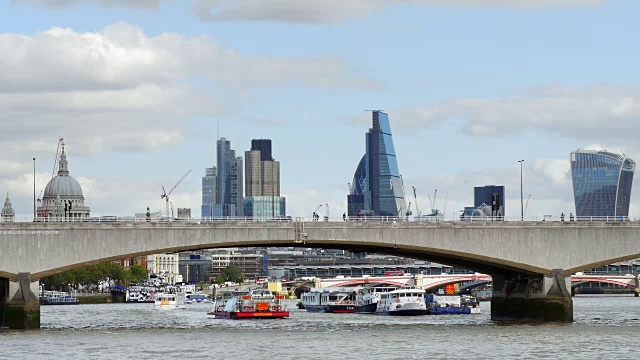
(58, 298)
(367, 298)
(341, 300)
(258, 304)
(405, 301)
(315, 300)
(329, 300)
(451, 304)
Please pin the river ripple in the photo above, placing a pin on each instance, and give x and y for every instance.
(604, 327)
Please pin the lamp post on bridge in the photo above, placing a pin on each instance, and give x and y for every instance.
(521, 194)
(34, 189)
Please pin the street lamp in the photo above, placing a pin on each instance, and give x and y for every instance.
(34, 189)
(521, 196)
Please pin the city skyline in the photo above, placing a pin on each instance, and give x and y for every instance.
(138, 104)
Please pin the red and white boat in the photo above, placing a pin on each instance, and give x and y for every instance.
(258, 304)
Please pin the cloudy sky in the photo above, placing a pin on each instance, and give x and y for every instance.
(136, 89)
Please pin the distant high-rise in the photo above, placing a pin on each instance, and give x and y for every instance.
(377, 187)
(264, 146)
(601, 183)
(229, 182)
(490, 195)
(262, 182)
(209, 184)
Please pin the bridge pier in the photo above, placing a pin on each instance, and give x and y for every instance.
(518, 297)
(19, 303)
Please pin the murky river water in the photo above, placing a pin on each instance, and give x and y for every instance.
(605, 327)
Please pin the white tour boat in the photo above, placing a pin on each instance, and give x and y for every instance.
(169, 301)
(367, 298)
(407, 301)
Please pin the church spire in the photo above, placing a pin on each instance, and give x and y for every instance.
(63, 168)
(8, 215)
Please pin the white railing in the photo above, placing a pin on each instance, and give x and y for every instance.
(288, 219)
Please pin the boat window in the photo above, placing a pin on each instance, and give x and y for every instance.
(395, 296)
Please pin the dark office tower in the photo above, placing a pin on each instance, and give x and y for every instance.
(601, 183)
(377, 187)
(264, 146)
(262, 183)
(490, 195)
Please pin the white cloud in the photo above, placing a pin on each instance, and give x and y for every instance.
(599, 113)
(119, 89)
(63, 4)
(110, 87)
(334, 11)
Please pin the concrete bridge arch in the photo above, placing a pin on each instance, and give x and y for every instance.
(529, 262)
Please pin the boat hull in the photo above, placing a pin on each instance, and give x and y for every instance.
(408, 312)
(341, 309)
(237, 315)
(453, 311)
(316, 308)
(367, 309)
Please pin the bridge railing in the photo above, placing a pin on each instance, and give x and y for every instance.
(350, 219)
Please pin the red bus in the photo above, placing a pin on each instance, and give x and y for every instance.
(394, 273)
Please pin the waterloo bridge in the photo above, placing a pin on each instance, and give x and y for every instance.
(530, 262)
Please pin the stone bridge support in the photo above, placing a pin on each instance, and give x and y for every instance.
(518, 297)
(19, 303)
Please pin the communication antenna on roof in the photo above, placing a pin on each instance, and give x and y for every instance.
(218, 128)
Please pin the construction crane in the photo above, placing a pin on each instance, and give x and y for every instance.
(526, 204)
(315, 212)
(165, 194)
(415, 197)
(433, 203)
(408, 213)
(326, 218)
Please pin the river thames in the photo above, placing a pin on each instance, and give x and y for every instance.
(604, 327)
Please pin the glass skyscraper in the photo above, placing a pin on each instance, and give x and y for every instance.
(208, 191)
(377, 187)
(601, 183)
(222, 185)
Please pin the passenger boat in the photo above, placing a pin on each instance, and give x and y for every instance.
(405, 301)
(367, 298)
(198, 297)
(58, 298)
(169, 301)
(315, 300)
(258, 304)
(451, 304)
(330, 300)
(341, 300)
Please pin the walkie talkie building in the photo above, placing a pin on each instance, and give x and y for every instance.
(601, 183)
